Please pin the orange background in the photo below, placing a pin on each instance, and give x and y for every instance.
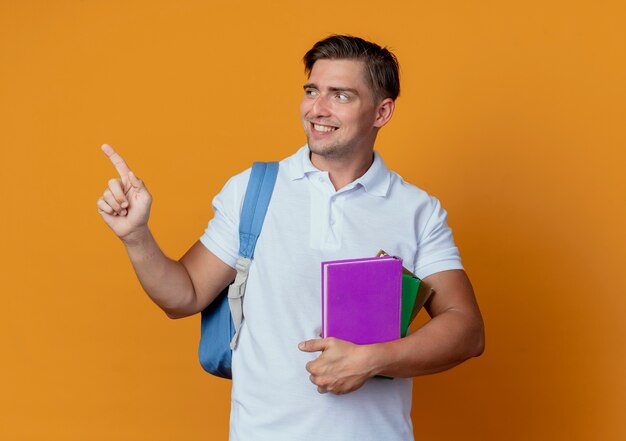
(512, 113)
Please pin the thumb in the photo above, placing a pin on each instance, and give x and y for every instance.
(316, 345)
(136, 183)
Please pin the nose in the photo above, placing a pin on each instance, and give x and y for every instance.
(320, 106)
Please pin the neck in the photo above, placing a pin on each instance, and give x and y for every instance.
(344, 170)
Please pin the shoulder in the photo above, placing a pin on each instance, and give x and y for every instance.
(288, 165)
(402, 191)
(235, 186)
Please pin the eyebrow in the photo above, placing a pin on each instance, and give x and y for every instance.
(332, 89)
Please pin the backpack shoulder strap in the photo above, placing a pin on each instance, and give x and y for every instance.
(256, 201)
(258, 195)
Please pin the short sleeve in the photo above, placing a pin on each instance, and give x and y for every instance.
(221, 236)
(436, 250)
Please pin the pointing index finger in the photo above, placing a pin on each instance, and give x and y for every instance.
(116, 159)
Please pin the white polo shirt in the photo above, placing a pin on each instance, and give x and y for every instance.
(308, 222)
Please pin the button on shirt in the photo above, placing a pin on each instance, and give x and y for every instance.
(308, 222)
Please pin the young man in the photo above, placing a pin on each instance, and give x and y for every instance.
(334, 198)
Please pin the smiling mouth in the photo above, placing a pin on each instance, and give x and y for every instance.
(322, 128)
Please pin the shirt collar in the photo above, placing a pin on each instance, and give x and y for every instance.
(375, 181)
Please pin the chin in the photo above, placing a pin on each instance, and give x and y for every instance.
(327, 151)
(331, 152)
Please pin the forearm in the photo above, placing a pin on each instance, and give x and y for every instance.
(445, 341)
(166, 281)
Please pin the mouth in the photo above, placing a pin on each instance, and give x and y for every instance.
(323, 128)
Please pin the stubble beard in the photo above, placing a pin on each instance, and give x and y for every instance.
(331, 150)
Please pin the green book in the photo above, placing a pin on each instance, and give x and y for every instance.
(414, 295)
(410, 288)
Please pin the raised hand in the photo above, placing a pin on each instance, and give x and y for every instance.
(125, 203)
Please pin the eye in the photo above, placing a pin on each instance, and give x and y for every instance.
(342, 97)
(310, 92)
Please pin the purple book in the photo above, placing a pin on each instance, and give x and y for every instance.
(362, 299)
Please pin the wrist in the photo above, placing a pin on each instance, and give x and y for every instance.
(381, 358)
(375, 359)
(137, 238)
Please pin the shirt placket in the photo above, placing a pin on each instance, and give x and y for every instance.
(326, 213)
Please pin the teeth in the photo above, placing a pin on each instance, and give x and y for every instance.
(320, 128)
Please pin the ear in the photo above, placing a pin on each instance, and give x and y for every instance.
(384, 112)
